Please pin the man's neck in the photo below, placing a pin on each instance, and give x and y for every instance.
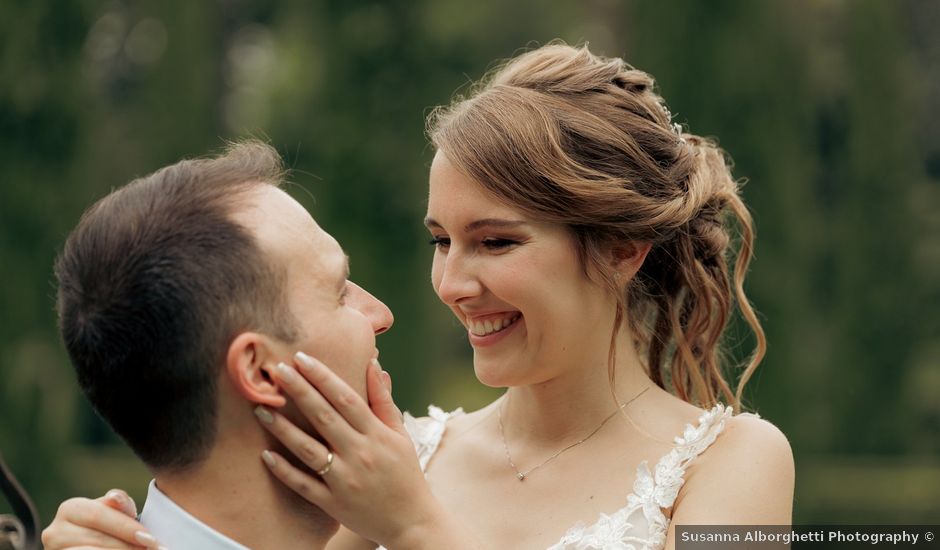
(234, 494)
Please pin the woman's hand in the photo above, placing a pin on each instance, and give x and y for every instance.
(368, 477)
(106, 522)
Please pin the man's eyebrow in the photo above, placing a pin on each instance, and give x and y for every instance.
(473, 226)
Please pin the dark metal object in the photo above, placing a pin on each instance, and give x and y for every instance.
(21, 530)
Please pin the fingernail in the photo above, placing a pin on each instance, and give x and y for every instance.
(286, 373)
(375, 366)
(268, 458)
(387, 378)
(145, 538)
(122, 499)
(117, 496)
(264, 415)
(305, 360)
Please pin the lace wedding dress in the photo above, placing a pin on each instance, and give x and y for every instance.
(641, 524)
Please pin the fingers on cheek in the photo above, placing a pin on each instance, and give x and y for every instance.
(302, 484)
(314, 371)
(289, 379)
(271, 420)
(347, 400)
(288, 434)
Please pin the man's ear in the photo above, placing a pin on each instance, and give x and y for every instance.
(249, 363)
(627, 258)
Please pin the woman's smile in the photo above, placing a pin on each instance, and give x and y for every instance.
(492, 329)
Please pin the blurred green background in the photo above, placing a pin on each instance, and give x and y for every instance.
(828, 107)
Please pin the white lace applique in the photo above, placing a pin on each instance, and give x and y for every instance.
(426, 432)
(642, 524)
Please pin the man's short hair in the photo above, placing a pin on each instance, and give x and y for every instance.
(154, 283)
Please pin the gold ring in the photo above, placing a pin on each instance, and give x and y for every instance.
(329, 464)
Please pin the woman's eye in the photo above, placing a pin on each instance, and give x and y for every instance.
(342, 297)
(499, 244)
(440, 242)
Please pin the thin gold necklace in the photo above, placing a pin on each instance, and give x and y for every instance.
(523, 475)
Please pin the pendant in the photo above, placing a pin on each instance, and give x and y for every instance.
(521, 476)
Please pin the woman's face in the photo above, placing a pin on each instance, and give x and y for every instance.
(516, 284)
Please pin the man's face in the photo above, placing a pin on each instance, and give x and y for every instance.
(336, 320)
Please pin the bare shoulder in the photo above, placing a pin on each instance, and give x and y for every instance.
(745, 477)
(447, 425)
(461, 422)
(749, 442)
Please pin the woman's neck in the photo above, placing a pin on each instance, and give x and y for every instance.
(577, 401)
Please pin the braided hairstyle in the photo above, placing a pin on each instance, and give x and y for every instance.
(572, 138)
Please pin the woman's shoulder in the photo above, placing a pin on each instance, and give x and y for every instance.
(746, 433)
(749, 439)
(750, 455)
(440, 422)
(430, 432)
(450, 418)
(456, 421)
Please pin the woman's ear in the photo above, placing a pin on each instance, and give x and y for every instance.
(249, 363)
(627, 258)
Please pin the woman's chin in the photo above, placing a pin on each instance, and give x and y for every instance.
(494, 375)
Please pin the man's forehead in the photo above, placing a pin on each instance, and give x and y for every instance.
(330, 252)
(323, 250)
(284, 229)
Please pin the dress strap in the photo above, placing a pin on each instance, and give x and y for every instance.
(661, 486)
(427, 431)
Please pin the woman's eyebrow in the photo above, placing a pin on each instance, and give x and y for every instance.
(474, 225)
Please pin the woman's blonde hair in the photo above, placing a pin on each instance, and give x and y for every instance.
(572, 138)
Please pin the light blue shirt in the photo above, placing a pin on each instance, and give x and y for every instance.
(177, 529)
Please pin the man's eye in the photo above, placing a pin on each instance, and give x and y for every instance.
(440, 242)
(499, 244)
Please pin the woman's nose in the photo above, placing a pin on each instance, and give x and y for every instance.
(457, 281)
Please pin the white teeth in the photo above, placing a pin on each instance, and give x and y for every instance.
(490, 326)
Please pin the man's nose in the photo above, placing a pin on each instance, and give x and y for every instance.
(375, 310)
(458, 281)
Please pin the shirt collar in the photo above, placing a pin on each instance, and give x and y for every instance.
(177, 529)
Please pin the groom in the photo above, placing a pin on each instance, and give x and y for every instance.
(179, 294)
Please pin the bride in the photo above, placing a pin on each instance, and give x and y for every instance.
(584, 240)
